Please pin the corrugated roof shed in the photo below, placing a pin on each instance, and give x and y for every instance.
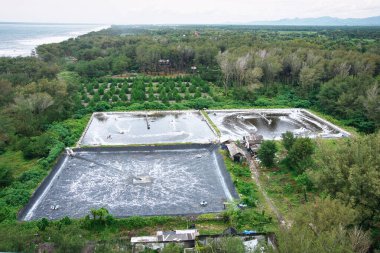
(177, 235)
(234, 150)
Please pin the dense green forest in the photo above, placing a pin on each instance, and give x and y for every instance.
(334, 70)
(46, 100)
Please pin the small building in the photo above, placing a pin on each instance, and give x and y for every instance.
(184, 237)
(236, 153)
(252, 142)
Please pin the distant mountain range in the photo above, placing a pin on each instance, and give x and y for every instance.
(322, 21)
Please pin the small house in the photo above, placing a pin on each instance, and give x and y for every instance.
(236, 153)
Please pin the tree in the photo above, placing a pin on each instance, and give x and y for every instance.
(299, 156)
(292, 65)
(226, 66)
(371, 103)
(120, 64)
(349, 171)
(6, 93)
(288, 140)
(347, 98)
(322, 226)
(241, 66)
(29, 112)
(256, 74)
(309, 78)
(267, 152)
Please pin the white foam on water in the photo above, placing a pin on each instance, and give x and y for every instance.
(165, 127)
(30, 214)
(180, 181)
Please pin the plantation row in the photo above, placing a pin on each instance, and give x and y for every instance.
(143, 89)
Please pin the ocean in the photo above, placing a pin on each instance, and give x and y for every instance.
(19, 39)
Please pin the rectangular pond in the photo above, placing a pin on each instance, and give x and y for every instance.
(125, 128)
(164, 180)
(271, 123)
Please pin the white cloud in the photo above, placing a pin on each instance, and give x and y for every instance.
(180, 11)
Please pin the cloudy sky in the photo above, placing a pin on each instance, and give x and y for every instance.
(180, 11)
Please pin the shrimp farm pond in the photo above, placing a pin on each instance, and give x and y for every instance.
(146, 128)
(158, 163)
(271, 123)
(165, 180)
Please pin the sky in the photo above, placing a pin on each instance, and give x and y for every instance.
(180, 11)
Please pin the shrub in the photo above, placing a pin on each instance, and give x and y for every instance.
(240, 171)
(35, 174)
(200, 103)
(6, 176)
(224, 244)
(244, 188)
(172, 248)
(106, 97)
(250, 201)
(192, 88)
(5, 211)
(154, 106)
(101, 91)
(183, 88)
(96, 98)
(197, 94)
(123, 97)
(263, 102)
(187, 95)
(65, 221)
(115, 98)
(55, 151)
(102, 106)
(42, 224)
(38, 146)
(16, 197)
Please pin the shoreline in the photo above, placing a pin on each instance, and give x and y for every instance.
(25, 46)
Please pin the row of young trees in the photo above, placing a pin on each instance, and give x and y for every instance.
(141, 90)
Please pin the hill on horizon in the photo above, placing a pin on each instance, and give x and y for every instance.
(322, 21)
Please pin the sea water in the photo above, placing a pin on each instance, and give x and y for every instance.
(19, 39)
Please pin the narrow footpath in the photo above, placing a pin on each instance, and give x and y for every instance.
(255, 176)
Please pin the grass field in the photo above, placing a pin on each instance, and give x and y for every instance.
(16, 161)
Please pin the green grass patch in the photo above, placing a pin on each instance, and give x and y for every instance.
(205, 115)
(16, 161)
(257, 216)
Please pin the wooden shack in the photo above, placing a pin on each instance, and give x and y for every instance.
(236, 153)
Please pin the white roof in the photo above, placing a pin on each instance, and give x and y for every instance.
(144, 239)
